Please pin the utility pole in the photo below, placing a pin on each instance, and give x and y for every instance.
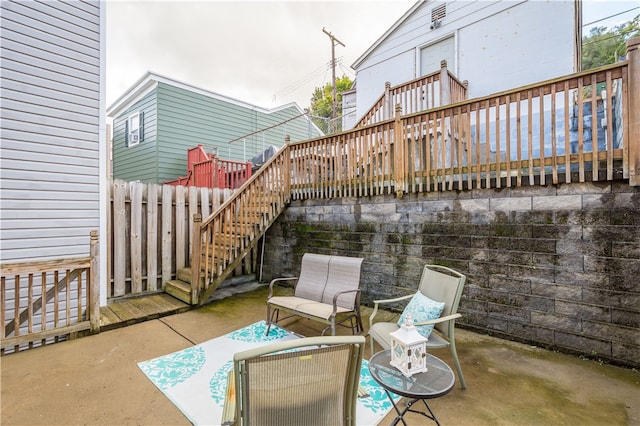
(334, 106)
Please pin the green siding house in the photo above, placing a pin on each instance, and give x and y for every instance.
(159, 119)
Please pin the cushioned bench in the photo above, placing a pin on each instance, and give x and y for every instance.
(326, 290)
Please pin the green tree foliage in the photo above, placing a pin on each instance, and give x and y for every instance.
(322, 104)
(603, 46)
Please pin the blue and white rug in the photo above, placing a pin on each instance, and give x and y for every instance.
(195, 379)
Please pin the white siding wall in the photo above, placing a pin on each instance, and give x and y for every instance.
(50, 112)
(498, 45)
(371, 80)
(349, 114)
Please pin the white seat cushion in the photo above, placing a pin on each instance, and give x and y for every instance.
(380, 333)
(298, 304)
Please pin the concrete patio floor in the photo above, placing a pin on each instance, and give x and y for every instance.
(95, 380)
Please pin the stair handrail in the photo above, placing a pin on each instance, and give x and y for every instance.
(451, 90)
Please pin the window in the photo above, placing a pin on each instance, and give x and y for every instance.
(134, 129)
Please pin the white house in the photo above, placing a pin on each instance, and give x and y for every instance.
(53, 182)
(494, 45)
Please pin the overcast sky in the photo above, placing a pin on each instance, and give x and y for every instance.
(267, 53)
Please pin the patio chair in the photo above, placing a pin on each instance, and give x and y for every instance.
(307, 381)
(440, 284)
(326, 291)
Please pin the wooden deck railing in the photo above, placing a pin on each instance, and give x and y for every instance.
(207, 170)
(426, 92)
(578, 127)
(219, 173)
(47, 300)
(512, 138)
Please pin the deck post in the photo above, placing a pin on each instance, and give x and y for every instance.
(196, 250)
(445, 84)
(94, 283)
(287, 169)
(633, 56)
(387, 101)
(286, 172)
(398, 154)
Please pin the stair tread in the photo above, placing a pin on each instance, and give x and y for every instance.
(179, 284)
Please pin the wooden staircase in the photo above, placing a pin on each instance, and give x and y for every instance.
(224, 240)
(238, 239)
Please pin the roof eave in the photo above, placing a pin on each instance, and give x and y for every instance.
(150, 79)
(133, 94)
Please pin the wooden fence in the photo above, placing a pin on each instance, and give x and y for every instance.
(46, 301)
(148, 240)
(150, 233)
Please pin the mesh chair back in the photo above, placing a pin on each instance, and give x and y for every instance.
(344, 274)
(309, 386)
(443, 285)
(313, 276)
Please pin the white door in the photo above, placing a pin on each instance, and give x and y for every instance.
(430, 56)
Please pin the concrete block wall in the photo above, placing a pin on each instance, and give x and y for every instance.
(556, 266)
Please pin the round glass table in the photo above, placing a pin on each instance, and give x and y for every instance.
(438, 380)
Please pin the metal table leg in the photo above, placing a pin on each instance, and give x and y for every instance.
(431, 415)
(400, 415)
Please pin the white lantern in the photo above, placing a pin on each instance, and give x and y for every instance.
(408, 349)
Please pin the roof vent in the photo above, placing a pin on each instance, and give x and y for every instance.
(437, 15)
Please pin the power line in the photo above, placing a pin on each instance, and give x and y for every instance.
(307, 77)
(600, 40)
(266, 128)
(611, 16)
(345, 71)
(300, 83)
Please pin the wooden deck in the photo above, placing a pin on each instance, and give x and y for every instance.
(133, 310)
